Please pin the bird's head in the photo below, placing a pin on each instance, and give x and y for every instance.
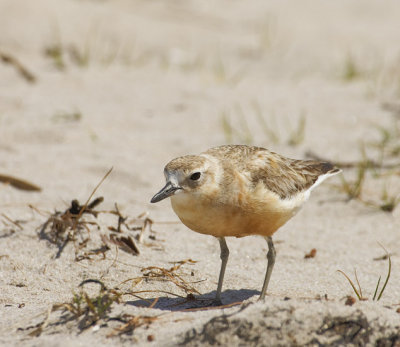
(189, 174)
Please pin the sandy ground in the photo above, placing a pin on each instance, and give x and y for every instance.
(133, 84)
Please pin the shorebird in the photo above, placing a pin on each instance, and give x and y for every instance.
(239, 190)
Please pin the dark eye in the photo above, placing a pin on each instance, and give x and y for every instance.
(195, 176)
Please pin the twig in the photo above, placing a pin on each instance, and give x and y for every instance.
(34, 208)
(151, 291)
(358, 283)
(19, 183)
(43, 324)
(112, 264)
(153, 303)
(12, 221)
(90, 196)
(237, 303)
(22, 70)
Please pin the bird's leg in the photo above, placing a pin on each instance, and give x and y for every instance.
(271, 261)
(224, 259)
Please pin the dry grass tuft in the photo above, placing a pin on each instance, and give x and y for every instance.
(240, 126)
(380, 160)
(358, 290)
(156, 273)
(84, 309)
(95, 310)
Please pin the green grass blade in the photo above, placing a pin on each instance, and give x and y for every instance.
(387, 278)
(358, 283)
(351, 283)
(377, 286)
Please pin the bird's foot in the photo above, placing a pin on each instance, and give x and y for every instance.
(261, 298)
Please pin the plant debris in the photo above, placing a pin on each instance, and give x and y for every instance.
(161, 274)
(73, 225)
(95, 310)
(21, 69)
(63, 227)
(132, 322)
(155, 273)
(350, 300)
(77, 222)
(311, 254)
(13, 222)
(383, 257)
(83, 308)
(19, 183)
(140, 223)
(10, 226)
(125, 243)
(379, 159)
(358, 291)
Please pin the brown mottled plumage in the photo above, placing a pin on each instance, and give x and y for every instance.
(240, 190)
(283, 176)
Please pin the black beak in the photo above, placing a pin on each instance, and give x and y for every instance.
(164, 193)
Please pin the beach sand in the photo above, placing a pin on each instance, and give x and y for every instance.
(131, 85)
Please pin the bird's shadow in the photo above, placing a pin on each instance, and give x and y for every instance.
(228, 298)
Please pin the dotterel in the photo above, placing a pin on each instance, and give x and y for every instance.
(239, 190)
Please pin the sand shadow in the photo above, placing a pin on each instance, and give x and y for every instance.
(229, 297)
